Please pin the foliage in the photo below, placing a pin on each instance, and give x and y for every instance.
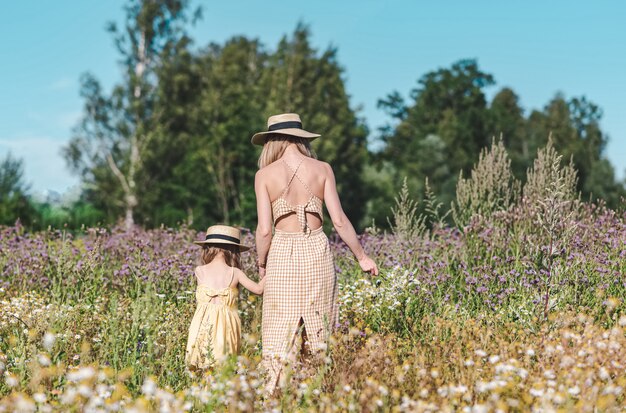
(75, 216)
(442, 130)
(200, 108)
(549, 196)
(14, 202)
(490, 188)
(506, 120)
(575, 130)
(407, 224)
(116, 131)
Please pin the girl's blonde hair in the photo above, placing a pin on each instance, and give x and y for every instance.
(232, 255)
(276, 144)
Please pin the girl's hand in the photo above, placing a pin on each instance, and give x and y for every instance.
(261, 272)
(368, 265)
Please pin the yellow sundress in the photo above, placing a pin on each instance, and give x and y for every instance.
(215, 330)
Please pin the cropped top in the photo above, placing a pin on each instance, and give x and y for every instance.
(281, 208)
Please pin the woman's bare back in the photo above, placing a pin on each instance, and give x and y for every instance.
(295, 178)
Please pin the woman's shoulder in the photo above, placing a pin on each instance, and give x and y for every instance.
(318, 165)
(269, 170)
(323, 168)
(266, 169)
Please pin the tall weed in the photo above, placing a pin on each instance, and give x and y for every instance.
(490, 188)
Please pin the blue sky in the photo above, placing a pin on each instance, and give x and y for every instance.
(535, 47)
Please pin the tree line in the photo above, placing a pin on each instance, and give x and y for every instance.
(170, 142)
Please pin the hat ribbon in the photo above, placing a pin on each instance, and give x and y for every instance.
(285, 125)
(222, 237)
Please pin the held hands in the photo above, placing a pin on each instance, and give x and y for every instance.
(368, 265)
(261, 266)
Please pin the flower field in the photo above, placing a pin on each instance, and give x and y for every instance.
(471, 320)
(519, 306)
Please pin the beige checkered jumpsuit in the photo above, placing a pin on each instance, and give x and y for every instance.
(301, 286)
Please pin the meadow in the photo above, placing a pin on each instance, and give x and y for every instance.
(517, 306)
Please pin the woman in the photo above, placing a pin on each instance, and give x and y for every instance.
(300, 299)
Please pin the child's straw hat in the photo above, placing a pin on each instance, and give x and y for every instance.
(224, 235)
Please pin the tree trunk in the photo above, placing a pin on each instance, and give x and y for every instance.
(130, 188)
(131, 203)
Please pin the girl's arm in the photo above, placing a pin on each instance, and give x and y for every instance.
(256, 288)
(342, 223)
(264, 227)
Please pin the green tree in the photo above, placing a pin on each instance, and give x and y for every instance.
(442, 130)
(109, 145)
(220, 162)
(507, 120)
(171, 198)
(14, 203)
(575, 129)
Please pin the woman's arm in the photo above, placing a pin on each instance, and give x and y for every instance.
(342, 223)
(256, 288)
(264, 226)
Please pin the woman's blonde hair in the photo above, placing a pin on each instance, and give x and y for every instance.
(232, 255)
(276, 144)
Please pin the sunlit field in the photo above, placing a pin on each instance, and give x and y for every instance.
(518, 307)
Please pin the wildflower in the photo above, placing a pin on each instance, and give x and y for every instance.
(604, 374)
(11, 380)
(566, 362)
(549, 374)
(83, 373)
(39, 397)
(23, 404)
(558, 398)
(149, 387)
(536, 392)
(574, 391)
(69, 395)
(84, 390)
(44, 360)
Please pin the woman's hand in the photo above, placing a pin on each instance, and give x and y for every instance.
(368, 265)
(261, 272)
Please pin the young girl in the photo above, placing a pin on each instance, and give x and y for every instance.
(215, 330)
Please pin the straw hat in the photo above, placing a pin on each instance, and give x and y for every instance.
(284, 124)
(223, 234)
